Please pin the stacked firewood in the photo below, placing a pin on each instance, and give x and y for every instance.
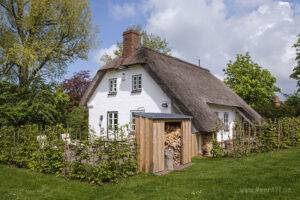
(173, 141)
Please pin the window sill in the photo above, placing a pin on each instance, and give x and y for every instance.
(136, 91)
(112, 93)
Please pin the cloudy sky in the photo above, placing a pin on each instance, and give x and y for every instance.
(213, 31)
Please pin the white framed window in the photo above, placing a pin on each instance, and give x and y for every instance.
(226, 121)
(112, 121)
(137, 83)
(112, 86)
(132, 118)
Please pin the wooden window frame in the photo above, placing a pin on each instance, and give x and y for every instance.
(112, 86)
(115, 125)
(136, 86)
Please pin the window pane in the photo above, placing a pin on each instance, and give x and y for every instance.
(225, 117)
(113, 85)
(137, 82)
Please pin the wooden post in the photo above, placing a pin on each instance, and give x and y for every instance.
(249, 132)
(254, 137)
(278, 135)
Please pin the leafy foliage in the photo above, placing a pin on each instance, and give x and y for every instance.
(76, 86)
(39, 38)
(95, 161)
(289, 108)
(250, 81)
(150, 41)
(296, 71)
(267, 136)
(77, 122)
(292, 105)
(39, 104)
(216, 151)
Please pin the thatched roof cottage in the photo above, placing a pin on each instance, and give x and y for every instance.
(143, 80)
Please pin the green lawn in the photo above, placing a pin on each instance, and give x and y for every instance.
(266, 176)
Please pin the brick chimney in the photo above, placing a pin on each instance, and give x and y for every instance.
(131, 42)
(276, 101)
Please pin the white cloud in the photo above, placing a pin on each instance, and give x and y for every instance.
(123, 11)
(109, 51)
(209, 30)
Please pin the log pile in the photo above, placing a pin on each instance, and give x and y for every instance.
(173, 142)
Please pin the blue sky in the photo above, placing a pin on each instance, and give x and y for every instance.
(109, 32)
(213, 30)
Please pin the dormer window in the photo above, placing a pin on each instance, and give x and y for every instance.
(137, 83)
(112, 86)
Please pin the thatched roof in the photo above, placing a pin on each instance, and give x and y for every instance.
(190, 87)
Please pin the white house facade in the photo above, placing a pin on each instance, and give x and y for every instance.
(228, 115)
(113, 103)
(119, 104)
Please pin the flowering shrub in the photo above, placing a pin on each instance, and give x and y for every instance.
(43, 150)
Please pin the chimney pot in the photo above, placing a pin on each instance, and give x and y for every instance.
(131, 42)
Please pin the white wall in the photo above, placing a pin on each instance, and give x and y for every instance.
(124, 101)
(225, 135)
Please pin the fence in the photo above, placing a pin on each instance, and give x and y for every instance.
(45, 150)
(266, 136)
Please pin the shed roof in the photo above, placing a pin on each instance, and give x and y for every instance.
(162, 115)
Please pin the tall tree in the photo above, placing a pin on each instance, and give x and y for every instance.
(250, 81)
(76, 86)
(41, 103)
(296, 71)
(149, 40)
(40, 37)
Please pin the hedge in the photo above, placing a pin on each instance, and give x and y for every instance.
(268, 135)
(42, 149)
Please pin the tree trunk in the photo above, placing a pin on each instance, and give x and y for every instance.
(23, 76)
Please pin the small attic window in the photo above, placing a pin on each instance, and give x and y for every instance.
(112, 86)
(137, 83)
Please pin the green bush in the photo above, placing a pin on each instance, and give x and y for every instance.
(77, 122)
(96, 161)
(216, 151)
(43, 104)
(267, 136)
(111, 160)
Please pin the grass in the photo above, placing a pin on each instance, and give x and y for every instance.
(274, 175)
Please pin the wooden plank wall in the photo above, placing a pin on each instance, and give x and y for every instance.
(195, 145)
(139, 135)
(158, 146)
(150, 144)
(150, 136)
(189, 146)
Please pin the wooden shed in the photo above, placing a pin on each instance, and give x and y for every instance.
(151, 134)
